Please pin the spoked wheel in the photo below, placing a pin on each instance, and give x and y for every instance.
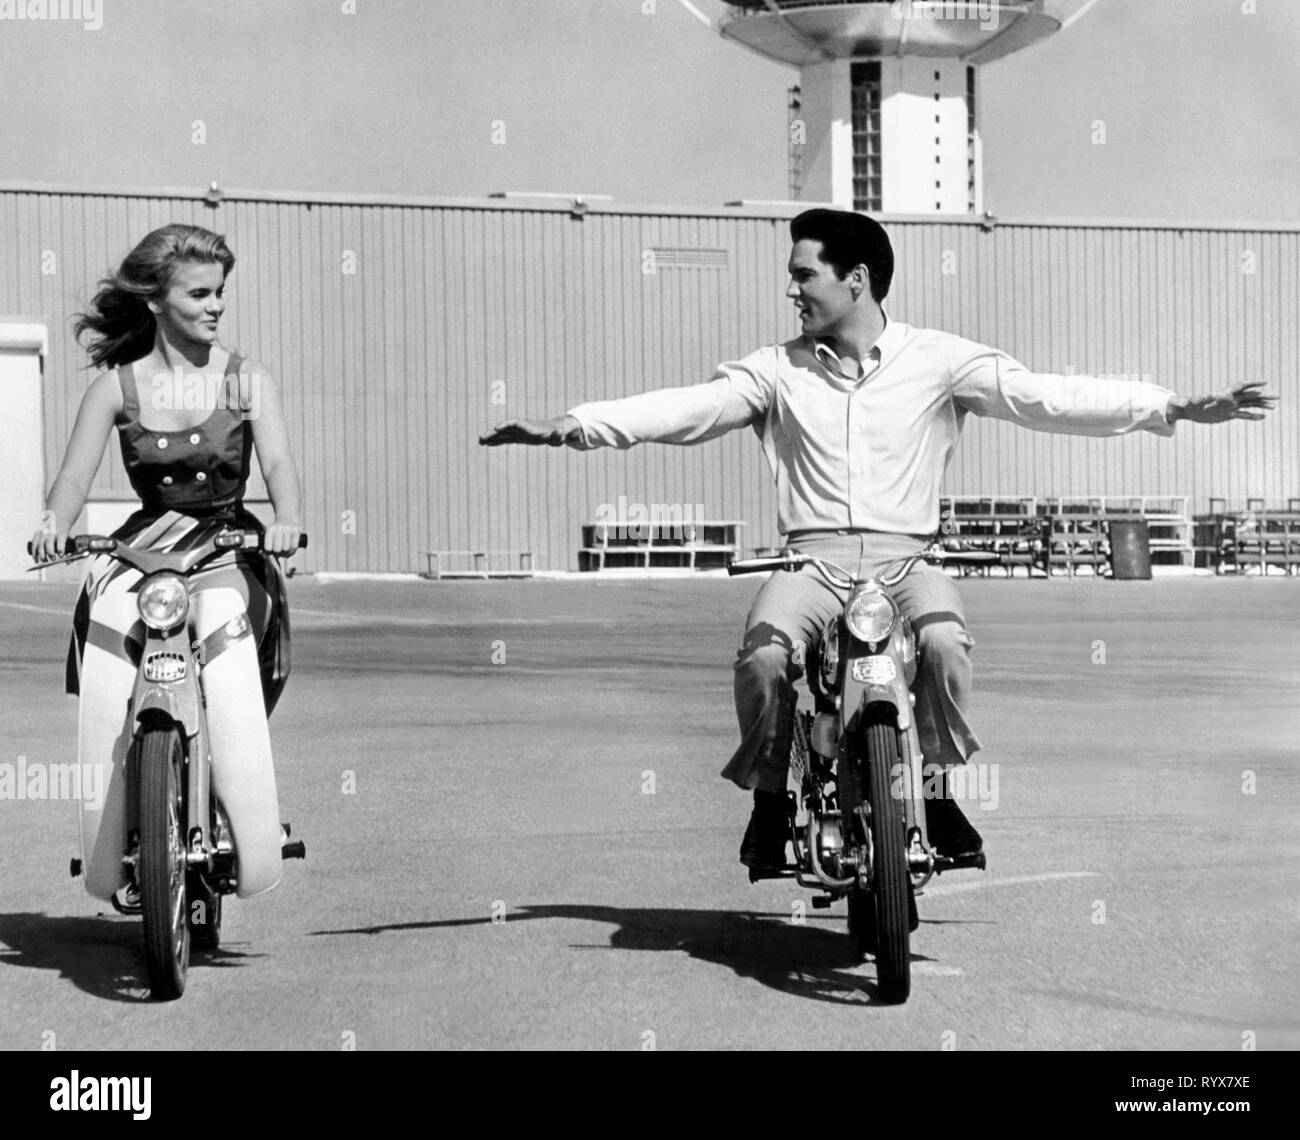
(890, 881)
(862, 907)
(162, 867)
(862, 919)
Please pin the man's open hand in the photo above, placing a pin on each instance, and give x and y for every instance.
(552, 433)
(1244, 402)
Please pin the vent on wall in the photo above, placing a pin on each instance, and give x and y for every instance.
(689, 257)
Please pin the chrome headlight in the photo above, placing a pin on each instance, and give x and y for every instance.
(870, 615)
(164, 601)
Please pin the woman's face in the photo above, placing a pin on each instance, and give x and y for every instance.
(195, 299)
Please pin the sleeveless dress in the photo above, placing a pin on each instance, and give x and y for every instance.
(191, 485)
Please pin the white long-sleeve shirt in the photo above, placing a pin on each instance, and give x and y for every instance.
(869, 451)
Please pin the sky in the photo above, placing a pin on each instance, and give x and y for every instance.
(637, 99)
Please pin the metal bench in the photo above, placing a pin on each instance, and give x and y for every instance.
(632, 544)
(437, 568)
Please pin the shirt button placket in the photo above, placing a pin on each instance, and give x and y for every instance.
(850, 453)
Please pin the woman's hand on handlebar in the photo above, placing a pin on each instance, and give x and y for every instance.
(282, 538)
(45, 546)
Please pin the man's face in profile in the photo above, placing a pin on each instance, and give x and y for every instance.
(822, 297)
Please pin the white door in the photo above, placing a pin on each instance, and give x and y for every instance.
(22, 435)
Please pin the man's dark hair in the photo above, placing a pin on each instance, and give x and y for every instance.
(848, 240)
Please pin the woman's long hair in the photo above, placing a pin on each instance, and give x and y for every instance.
(119, 318)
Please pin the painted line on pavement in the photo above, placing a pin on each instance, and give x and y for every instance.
(65, 612)
(936, 970)
(1013, 881)
(437, 620)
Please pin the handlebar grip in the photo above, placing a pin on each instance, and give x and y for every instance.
(89, 544)
(756, 565)
(302, 542)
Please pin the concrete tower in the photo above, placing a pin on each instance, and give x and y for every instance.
(888, 106)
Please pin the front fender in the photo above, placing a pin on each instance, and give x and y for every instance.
(858, 696)
(178, 702)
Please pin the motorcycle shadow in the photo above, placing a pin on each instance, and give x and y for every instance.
(805, 959)
(101, 956)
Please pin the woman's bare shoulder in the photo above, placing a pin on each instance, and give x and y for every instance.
(105, 391)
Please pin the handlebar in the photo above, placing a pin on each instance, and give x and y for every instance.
(149, 561)
(836, 575)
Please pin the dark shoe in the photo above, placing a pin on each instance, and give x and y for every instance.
(126, 900)
(763, 848)
(949, 831)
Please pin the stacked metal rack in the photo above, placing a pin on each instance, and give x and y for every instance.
(636, 544)
(1007, 525)
(1064, 534)
(1080, 528)
(1258, 538)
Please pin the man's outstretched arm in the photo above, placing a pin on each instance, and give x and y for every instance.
(737, 395)
(988, 382)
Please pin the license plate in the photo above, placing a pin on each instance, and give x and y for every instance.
(874, 670)
(164, 667)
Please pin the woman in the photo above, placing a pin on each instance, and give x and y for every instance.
(189, 413)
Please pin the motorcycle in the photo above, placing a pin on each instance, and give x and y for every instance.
(857, 760)
(180, 857)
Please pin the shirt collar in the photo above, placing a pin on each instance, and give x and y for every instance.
(883, 347)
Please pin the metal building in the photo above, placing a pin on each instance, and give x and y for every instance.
(402, 328)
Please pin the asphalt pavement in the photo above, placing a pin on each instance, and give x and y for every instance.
(517, 835)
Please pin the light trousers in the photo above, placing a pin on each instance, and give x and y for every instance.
(787, 618)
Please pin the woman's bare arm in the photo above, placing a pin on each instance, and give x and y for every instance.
(271, 438)
(99, 407)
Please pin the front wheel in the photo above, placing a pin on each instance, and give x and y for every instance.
(162, 864)
(890, 881)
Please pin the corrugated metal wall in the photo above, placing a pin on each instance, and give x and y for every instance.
(400, 331)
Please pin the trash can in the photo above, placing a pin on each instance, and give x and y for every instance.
(1130, 549)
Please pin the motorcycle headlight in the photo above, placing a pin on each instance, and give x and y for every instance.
(870, 615)
(163, 601)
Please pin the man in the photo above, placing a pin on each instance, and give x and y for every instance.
(858, 418)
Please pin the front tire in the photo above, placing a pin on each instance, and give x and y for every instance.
(890, 881)
(162, 867)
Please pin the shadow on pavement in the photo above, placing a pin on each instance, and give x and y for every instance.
(803, 959)
(101, 956)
